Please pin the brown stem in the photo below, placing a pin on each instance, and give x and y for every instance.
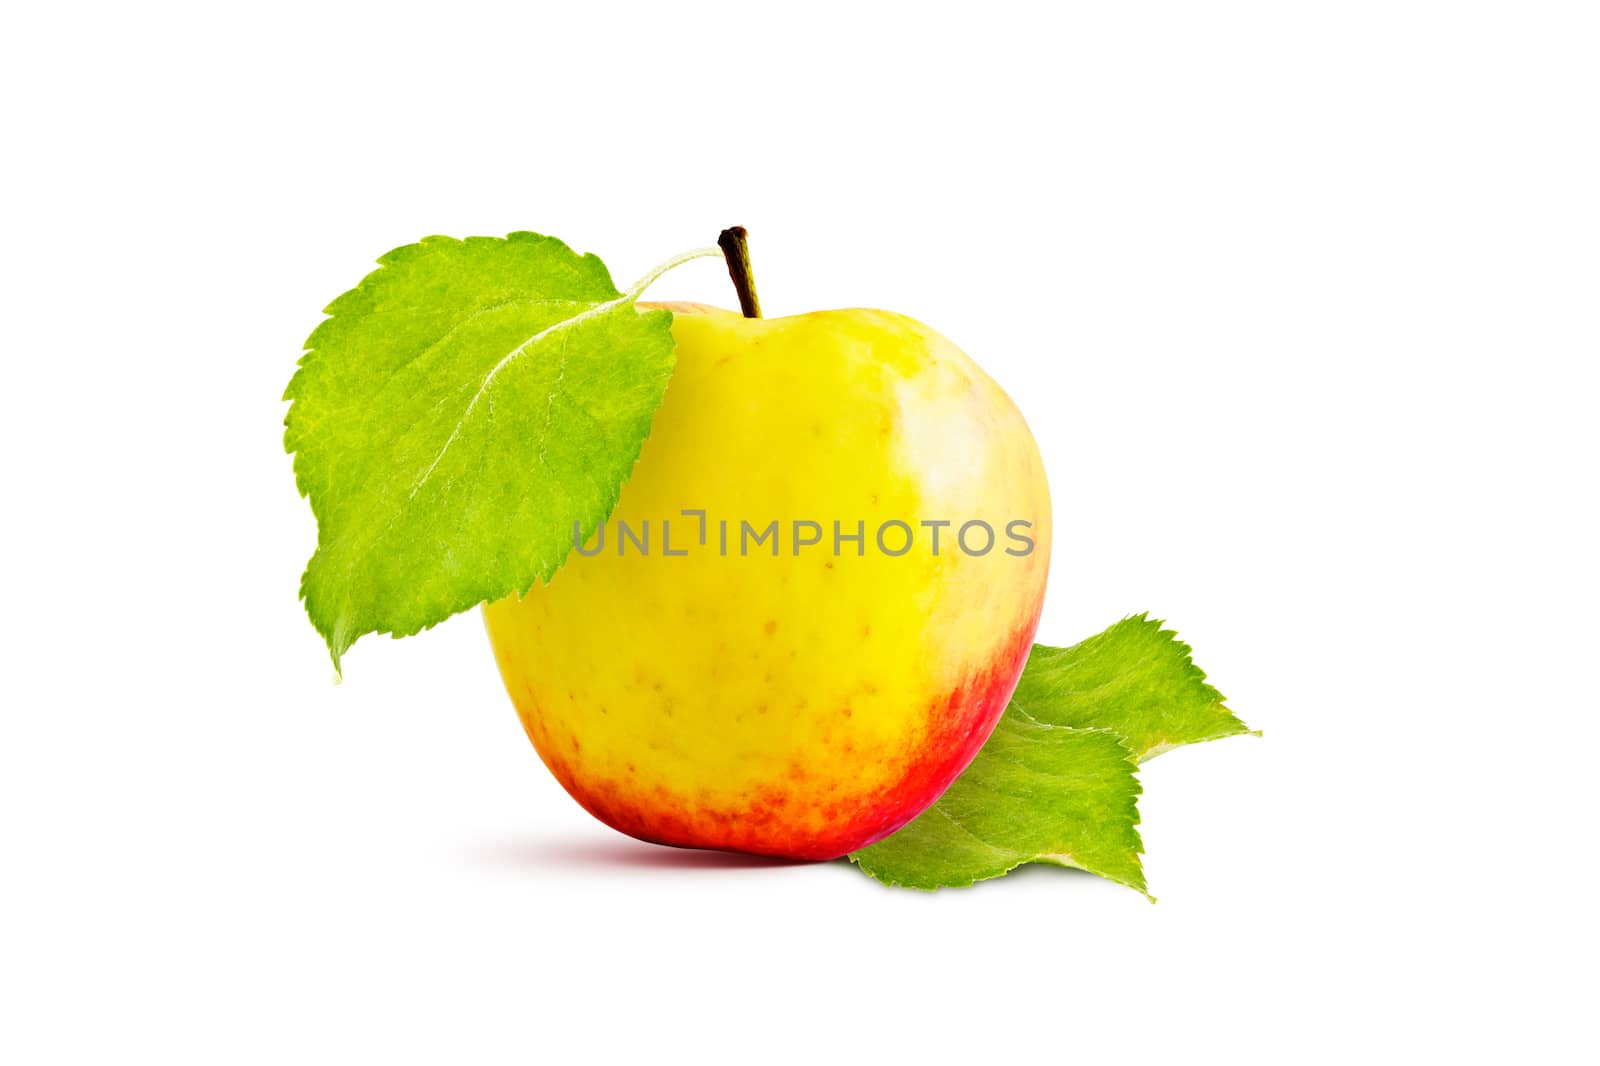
(735, 247)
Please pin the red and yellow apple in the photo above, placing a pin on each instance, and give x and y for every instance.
(809, 702)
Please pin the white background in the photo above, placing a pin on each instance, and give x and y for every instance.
(1300, 300)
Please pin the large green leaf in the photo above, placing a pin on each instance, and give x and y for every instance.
(453, 418)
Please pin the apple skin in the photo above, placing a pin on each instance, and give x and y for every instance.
(803, 705)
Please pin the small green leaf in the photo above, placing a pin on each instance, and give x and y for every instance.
(1035, 793)
(1135, 679)
(1055, 782)
(459, 411)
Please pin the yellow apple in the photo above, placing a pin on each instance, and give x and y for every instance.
(806, 693)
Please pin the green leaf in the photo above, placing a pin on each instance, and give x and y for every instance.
(458, 412)
(1035, 793)
(1055, 782)
(1135, 679)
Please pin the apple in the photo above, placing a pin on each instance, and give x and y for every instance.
(806, 693)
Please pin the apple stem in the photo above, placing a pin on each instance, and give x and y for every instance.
(735, 245)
